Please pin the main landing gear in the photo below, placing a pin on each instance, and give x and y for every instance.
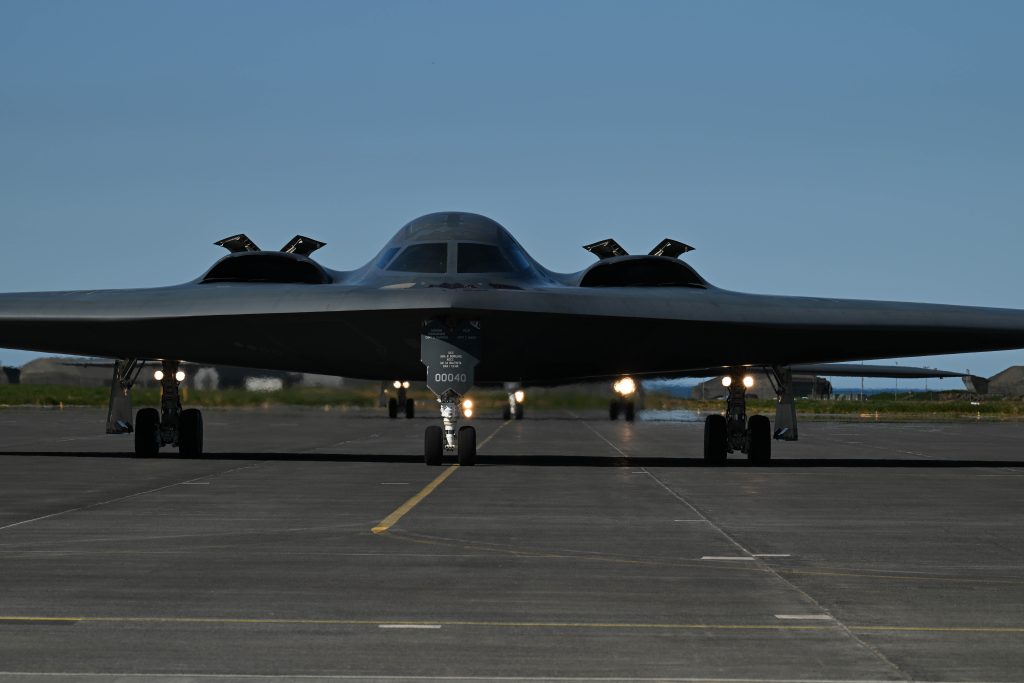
(171, 425)
(724, 434)
(624, 402)
(514, 408)
(402, 402)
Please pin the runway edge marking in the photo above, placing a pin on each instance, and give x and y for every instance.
(408, 505)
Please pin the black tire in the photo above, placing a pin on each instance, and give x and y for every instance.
(759, 440)
(630, 411)
(613, 410)
(519, 411)
(410, 408)
(147, 433)
(506, 412)
(467, 446)
(433, 448)
(190, 433)
(715, 441)
(392, 407)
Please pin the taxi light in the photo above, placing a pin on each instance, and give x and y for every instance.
(158, 375)
(467, 405)
(748, 381)
(405, 385)
(625, 386)
(180, 376)
(468, 412)
(397, 384)
(726, 381)
(520, 395)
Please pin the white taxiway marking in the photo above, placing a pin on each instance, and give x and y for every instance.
(394, 483)
(724, 557)
(772, 555)
(689, 520)
(430, 626)
(809, 617)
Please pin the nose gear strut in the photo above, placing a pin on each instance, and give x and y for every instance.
(724, 434)
(171, 425)
(451, 350)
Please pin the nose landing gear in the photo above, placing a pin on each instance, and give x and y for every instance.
(733, 431)
(450, 350)
(171, 426)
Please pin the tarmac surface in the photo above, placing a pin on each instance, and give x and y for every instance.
(317, 544)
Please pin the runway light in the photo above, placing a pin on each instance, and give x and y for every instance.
(397, 384)
(625, 386)
(467, 404)
(520, 396)
(179, 375)
(726, 381)
(405, 385)
(748, 381)
(158, 375)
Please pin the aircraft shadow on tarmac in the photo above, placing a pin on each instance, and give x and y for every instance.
(553, 460)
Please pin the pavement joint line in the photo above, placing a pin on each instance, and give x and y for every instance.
(405, 508)
(123, 498)
(878, 654)
(107, 675)
(580, 625)
(539, 553)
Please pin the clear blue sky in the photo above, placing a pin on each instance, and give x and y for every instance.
(858, 149)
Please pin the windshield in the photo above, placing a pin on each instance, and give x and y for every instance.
(422, 258)
(482, 258)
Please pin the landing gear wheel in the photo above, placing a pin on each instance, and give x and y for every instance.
(147, 433)
(432, 446)
(410, 408)
(519, 411)
(630, 411)
(506, 413)
(190, 433)
(759, 440)
(467, 446)
(715, 442)
(392, 408)
(613, 410)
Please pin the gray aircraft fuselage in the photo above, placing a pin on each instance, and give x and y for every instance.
(642, 315)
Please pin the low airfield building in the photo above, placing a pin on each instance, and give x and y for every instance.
(1009, 382)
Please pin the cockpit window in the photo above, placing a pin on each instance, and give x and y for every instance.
(386, 256)
(482, 258)
(514, 252)
(422, 258)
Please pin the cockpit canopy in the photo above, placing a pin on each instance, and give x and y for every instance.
(453, 243)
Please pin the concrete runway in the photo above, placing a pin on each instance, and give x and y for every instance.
(577, 548)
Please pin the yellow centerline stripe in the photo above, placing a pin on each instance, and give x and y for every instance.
(408, 505)
(520, 624)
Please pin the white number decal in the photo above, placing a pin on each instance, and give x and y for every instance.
(449, 377)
